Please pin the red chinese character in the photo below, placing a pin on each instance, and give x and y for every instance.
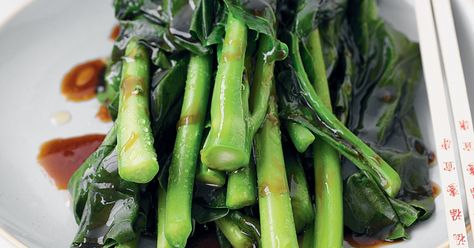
(452, 190)
(464, 125)
(448, 166)
(470, 169)
(467, 146)
(446, 145)
(455, 213)
(472, 191)
(460, 239)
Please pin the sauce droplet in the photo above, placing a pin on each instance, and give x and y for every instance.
(61, 157)
(60, 118)
(115, 32)
(431, 158)
(436, 189)
(103, 114)
(80, 83)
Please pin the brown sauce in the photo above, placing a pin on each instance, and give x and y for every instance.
(115, 32)
(80, 83)
(362, 241)
(61, 157)
(436, 189)
(431, 158)
(103, 114)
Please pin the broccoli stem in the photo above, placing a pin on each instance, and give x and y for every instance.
(358, 152)
(233, 233)
(276, 215)
(161, 238)
(226, 145)
(241, 188)
(137, 160)
(300, 136)
(328, 231)
(182, 171)
(303, 213)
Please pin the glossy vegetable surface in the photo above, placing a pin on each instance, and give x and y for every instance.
(272, 121)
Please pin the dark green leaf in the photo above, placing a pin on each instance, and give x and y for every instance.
(366, 208)
(208, 203)
(80, 181)
(167, 90)
(204, 215)
(127, 8)
(112, 209)
(259, 15)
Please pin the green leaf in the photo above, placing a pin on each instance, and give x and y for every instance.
(112, 209)
(127, 8)
(366, 208)
(204, 215)
(108, 93)
(258, 15)
(83, 177)
(167, 91)
(209, 203)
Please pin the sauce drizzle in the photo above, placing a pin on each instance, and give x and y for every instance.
(363, 241)
(115, 32)
(80, 83)
(61, 157)
(436, 189)
(103, 114)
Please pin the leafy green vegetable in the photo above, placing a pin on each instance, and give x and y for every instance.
(80, 181)
(336, 53)
(388, 70)
(111, 214)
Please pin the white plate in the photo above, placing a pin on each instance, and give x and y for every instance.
(46, 39)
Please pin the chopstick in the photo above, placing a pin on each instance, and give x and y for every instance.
(458, 94)
(440, 115)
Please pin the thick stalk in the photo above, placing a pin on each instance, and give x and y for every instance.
(210, 176)
(161, 241)
(236, 237)
(301, 204)
(357, 151)
(241, 184)
(182, 171)
(136, 154)
(276, 215)
(206, 175)
(262, 83)
(241, 188)
(327, 168)
(300, 136)
(226, 146)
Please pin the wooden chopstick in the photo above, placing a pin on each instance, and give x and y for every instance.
(440, 114)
